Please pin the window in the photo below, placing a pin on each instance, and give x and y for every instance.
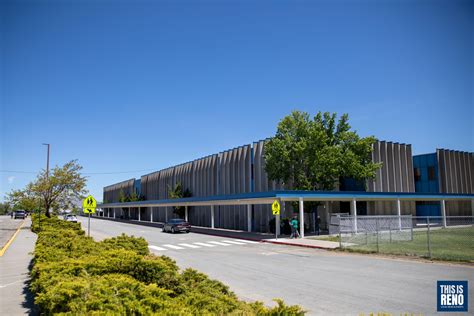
(417, 174)
(431, 173)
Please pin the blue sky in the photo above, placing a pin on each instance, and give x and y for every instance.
(134, 85)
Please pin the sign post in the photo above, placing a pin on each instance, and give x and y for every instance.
(276, 212)
(88, 205)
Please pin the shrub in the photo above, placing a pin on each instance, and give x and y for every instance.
(73, 274)
(123, 241)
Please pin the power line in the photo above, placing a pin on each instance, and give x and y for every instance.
(85, 173)
(118, 172)
(16, 171)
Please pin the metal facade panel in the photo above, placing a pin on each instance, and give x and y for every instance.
(112, 192)
(383, 160)
(405, 186)
(441, 170)
(262, 213)
(459, 172)
(396, 167)
(390, 168)
(455, 171)
(411, 175)
(462, 162)
(469, 172)
(395, 175)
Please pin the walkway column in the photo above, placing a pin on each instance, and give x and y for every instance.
(151, 214)
(212, 216)
(354, 214)
(399, 214)
(327, 213)
(186, 213)
(114, 212)
(249, 217)
(443, 212)
(301, 218)
(139, 214)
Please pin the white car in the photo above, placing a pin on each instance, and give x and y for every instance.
(71, 218)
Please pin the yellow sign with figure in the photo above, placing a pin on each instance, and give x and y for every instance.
(89, 204)
(276, 208)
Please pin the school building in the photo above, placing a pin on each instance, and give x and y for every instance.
(231, 190)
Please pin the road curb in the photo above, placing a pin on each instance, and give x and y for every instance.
(9, 242)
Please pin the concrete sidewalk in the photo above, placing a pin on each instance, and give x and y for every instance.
(15, 297)
(305, 242)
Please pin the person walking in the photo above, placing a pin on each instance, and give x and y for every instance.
(294, 228)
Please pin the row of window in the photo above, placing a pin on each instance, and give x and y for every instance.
(431, 174)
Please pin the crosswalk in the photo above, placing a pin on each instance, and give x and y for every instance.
(206, 244)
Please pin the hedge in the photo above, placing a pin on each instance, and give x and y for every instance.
(73, 274)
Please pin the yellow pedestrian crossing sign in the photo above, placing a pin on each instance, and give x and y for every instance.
(276, 208)
(89, 204)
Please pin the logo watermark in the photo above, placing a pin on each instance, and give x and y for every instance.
(452, 296)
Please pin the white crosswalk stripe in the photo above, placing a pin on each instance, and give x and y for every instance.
(157, 248)
(218, 243)
(189, 245)
(172, 246)
(233, 242)
(203, 244)
(198, 245)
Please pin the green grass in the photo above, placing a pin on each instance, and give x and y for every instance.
(326, 238)
(450, 244)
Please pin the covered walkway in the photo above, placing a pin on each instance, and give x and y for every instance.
(267, 198)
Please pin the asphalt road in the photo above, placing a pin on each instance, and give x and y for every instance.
(8, 226)
(323, 282)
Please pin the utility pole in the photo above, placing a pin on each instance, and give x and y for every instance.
(47, 176)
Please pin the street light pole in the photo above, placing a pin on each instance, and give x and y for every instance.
(47, 162)
(47, 177)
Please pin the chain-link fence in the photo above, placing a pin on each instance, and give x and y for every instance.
(432, 237)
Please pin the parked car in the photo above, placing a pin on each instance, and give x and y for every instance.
(176, 225)
(20, 214)
(71, 218)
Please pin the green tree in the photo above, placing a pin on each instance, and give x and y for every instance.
(134, 197)
(24, 199)
(315, 154)
(5, 208)
(177, 192)
(122, 197)
(61, 188)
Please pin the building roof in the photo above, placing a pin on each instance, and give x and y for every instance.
(269, 196)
